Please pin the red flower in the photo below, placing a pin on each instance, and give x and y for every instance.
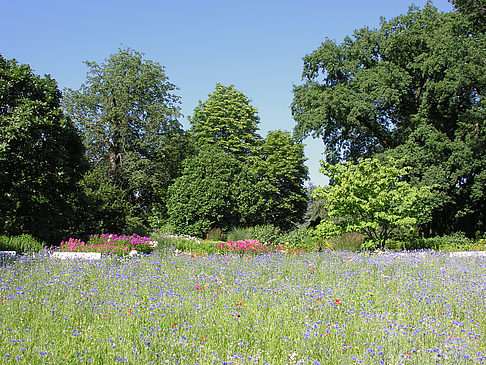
(337, 302)
(175, 324)
(239, 303)
(105, 315)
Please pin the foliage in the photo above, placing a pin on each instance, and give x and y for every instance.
(456, 171)
(316, 209)
(21, 244)
(300, 239)
(372, 198)
(186, 244)
(263, 233)
(474, 12)
(127, 114)
(455, 242)
(228, 120)
(424, 71)
(110, 243)
(215, 191)
(346, 242)
(280, 167)
(41, 156)
(106, 205)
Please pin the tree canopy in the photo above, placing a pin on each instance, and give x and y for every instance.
(41, 156)
(373, 198)
(128, 115)
(228, 120)
(281, 170)
(422, 71)
(216, 190)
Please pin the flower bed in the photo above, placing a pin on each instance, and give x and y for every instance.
(248, 246)
(110, 243)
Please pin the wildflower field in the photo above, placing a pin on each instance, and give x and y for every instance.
(326, 307)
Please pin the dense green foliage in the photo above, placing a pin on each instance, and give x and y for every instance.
(20, 244)
(228, 120)
(215, 190)
(41, 156)
(127, 114)
(280, 167)
(410, 92)
(474, 12)
(414, 88)
(372, 197)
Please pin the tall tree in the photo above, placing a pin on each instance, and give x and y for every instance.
(474, 12)
(419, 71)
(41, 156)
(228, 120)
(128, 115)
(216, 190)
(280, 166)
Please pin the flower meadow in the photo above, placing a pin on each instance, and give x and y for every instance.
(326, 307)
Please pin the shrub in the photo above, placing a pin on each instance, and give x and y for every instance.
(262, 233)
(300, 239)
(19, 244)
(347, 242)
(185, 243)
(455, 242)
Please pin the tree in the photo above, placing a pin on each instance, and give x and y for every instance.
(228, 120)
(474, 12)
(373, 198)
(280, 166)
(419, 71)
(216, 190)
(127, 114)
(316, 208)
(41, 157)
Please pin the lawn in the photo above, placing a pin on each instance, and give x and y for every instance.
(311, 308)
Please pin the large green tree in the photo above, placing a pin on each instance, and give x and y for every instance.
(216, 190)
(281, 169)
(228, 120)
(372, 197)
(128, 115)
(474, 11)
(422, 71)
(41, 157)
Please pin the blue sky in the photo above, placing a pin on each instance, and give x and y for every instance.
(255, 45)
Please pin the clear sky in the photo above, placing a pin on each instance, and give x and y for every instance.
(256, 45)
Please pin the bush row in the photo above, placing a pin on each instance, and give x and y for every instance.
(240, 240)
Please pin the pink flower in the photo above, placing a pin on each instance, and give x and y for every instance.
(198, 287)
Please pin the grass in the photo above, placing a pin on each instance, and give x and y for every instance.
(313, 308)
